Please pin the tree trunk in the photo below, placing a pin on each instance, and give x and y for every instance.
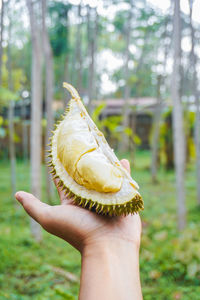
(92, 27)
(12, 148)
(1, 37)
(36, 114)
(124, 145)
(156, 131)
(11, 121)
(177, 114)
(197, 142)
(158, 113)
(132, 144)
(78, 52)
(67, 74)
(49, 84)
(195, 91)
(24, 132)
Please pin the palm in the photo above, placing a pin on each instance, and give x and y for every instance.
(77, 225)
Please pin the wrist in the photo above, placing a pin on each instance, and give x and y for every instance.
(115, 263)
(110, 243)
(111, 247)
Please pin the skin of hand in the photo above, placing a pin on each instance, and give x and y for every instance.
(109, 246)
(78, 226)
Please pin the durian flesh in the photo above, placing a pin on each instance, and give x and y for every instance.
(87, 167)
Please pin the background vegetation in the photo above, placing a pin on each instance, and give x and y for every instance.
(170, 264)
(129, 51)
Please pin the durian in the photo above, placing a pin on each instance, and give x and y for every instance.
(87, 167)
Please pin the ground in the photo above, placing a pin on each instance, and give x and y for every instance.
(169, 261)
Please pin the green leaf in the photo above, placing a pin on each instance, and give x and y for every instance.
(98, 110)
(1, 120)
(6, 95)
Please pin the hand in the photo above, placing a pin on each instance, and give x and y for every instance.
(79, 226)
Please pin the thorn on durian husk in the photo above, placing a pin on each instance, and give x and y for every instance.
(91, 205)
(67, 193)
(60, 183)
(86, 203)
(131, 207)
(53, 172)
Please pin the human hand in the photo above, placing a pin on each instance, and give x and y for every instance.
(78, 226)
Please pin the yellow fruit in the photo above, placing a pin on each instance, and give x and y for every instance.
(87, 167)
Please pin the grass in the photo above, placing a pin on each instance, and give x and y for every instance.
(169, 260)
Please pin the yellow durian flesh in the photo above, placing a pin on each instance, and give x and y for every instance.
(80, 155)
(74, 140)
(87, 167)
(96, 173)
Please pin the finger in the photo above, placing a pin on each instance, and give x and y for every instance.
(70, 223)
(33, 206)
(61, 192)
(125, 163)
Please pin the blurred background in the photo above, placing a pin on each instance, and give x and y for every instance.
(136, 67)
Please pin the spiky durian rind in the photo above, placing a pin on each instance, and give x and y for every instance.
(131, 207)
(118, 207)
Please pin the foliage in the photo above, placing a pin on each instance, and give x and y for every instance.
(170, 264)
(59, 28)
(111, 126)
(96, 114)
(5, 96)
(2, 130)
(150, 30)
(17, 77)
(133, 137)
(166, 137)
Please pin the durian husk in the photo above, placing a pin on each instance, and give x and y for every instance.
(126, 201)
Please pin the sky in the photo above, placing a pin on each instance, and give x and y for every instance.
(165, 4)
(162, 4)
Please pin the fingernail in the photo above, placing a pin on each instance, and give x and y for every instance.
(18, 196)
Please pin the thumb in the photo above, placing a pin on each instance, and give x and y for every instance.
(33, 206)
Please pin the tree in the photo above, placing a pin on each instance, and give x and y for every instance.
(78, 52)
(59, 39)
(156, 129)
(177, 115)
(36, 111)
(1, 37)
(158, 109)
(24, 131)
(195, 92)
(92, 28)
(125, 139)
(11, 114)
(49, 85)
